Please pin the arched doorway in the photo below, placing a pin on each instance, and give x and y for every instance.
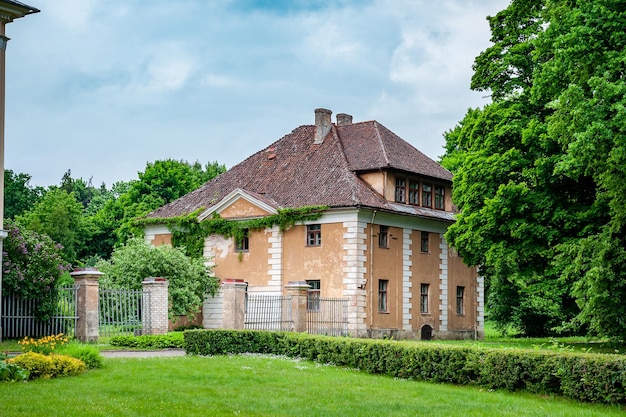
(427, 332)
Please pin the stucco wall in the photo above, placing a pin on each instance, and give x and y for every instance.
(387, 265)
(425, 270)
(324, 262)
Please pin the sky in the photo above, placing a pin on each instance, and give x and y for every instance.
(102, 87)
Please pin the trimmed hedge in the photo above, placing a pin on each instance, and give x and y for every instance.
(581, 376)
(161, 341)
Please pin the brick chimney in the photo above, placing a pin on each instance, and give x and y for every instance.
(322, 124)
(344, 119)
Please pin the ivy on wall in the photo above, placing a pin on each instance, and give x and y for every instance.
(190, 233)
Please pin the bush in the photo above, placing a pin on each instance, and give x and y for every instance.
(581, 376)
(42, 366)
(31, 268)
(64, 365)
(163, 341)
(12, 372)
(86, 353)
(189, 278)
(38, 365)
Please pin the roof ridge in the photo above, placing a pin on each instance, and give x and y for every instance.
(347, 164)
(382, 144)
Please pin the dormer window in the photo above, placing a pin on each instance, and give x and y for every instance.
(400, 190)
(414, 193)
(440, 197)
(427, 195)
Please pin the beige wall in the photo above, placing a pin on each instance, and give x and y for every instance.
(242, 209)
(324, 263)
(251, 266)
(425, 270)
(162, 239)
(387, 265)
(461, 275)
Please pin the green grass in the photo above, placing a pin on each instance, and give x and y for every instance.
(251, 385)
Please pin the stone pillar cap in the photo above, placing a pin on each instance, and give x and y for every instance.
(85, 271)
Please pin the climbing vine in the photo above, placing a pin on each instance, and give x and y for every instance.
(190, 233)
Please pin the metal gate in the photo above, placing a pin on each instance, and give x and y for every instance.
(123, 312)
(328, 316)
(18, 319)
(268, 312)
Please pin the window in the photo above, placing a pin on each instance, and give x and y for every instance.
(313, 295)
(383, 236)
(424, 244)
(243, 243)
(383, 284)
(440, 197)
(400, 190)
(460, 293)
(314, 235)
(427, 195)
(424, 298)
(414, 192)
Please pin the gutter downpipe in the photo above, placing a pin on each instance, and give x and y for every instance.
(371, 274)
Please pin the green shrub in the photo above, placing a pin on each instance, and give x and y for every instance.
(43, 366)
(63, 365)
(38, 365)
(163, 341)
(581, 376)
(12, 372)
(86, 353)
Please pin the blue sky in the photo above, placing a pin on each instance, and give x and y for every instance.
(102, 87)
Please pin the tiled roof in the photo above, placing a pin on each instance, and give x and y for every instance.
(371, 146)
(295, 172)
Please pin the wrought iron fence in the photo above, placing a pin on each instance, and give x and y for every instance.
(122, 312)
(328, 316)
(18, 319)
(268, 312)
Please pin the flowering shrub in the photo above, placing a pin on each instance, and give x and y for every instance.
(31, 267)
(44, 345)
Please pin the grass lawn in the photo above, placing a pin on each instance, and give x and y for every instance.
(251, 385)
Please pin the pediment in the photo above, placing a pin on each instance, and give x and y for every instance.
(240, 204)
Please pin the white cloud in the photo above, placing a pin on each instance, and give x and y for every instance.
(102, 87)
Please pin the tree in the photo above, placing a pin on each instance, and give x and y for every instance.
(59, 216)
(162, 182)
(19, 195)
(32, 267)
(540, 172)
(189, 278)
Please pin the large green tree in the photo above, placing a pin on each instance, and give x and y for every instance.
(539, 172)
(161, 182)
(19, 195)
(60, 216)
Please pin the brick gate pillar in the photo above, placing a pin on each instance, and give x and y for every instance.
(298, 290)
(234, 298)
(155, 318)
(87, 304)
